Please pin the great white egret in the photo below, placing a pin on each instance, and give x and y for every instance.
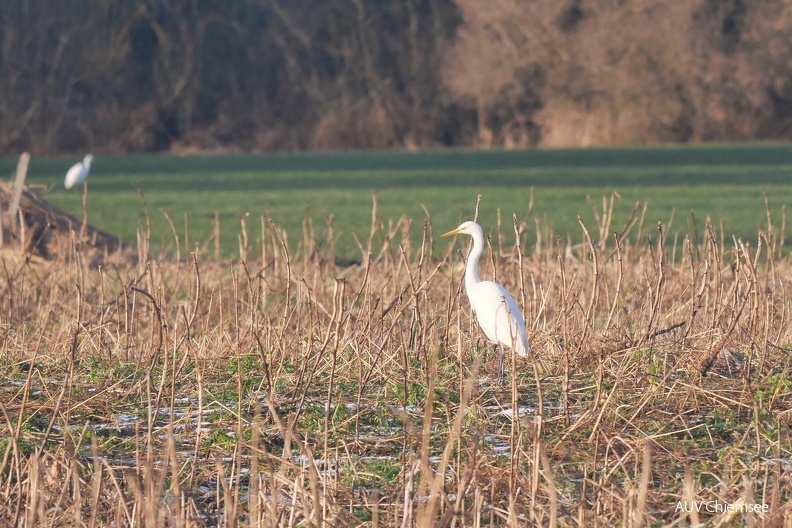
(78, 172)
(496, 311)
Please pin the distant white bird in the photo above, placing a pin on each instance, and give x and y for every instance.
(78, 172)
(497, 313)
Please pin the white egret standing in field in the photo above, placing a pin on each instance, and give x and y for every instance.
(79, 172)
(496, 311)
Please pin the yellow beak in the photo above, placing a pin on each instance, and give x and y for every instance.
(452, 232)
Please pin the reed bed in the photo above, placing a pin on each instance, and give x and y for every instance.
(286, 389)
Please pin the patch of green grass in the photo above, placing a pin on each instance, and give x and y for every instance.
(379, 472)
(772, 385)
(340, 415)
(244, 364)
(416, 393)
(25, 446)
(226, 394)
(251, 370)
(99, 369)
(282, 386)
(717, 181)
(312, 421)
(361, 514)
(721, 427)
(348, 387)
(220, 438)
(35, 422)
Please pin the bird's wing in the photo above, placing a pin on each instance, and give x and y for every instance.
(77, 174)
(494, 318)
(72, 175)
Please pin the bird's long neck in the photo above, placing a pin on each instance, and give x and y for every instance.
(472, 268)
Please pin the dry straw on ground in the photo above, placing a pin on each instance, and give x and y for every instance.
(286, 390)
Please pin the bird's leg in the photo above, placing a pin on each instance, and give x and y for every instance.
(501, 362)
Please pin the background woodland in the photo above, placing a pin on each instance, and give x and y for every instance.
(211, 75)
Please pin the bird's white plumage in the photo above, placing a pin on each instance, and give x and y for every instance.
(78, 172)
(496, 310)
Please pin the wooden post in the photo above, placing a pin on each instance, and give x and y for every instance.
(19, 183)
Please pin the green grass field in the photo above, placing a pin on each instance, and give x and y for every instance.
(723, 182)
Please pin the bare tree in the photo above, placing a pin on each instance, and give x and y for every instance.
(298, 74)
(603, 72)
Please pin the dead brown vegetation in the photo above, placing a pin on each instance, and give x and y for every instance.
(283, 390)
(40, 230)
